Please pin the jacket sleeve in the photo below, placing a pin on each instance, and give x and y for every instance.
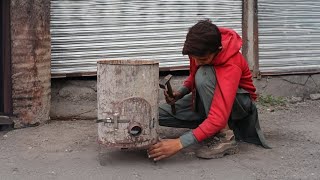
(189, 82)
(228, 78)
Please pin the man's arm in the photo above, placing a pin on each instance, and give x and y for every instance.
(164, 149)
(228, 79)
(188, 139)
(168, 147)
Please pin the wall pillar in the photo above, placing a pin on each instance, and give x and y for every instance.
(31, 61)
(250, 35)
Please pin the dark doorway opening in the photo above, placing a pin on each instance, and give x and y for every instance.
(1, 63)
(5, 68)
(5, 61)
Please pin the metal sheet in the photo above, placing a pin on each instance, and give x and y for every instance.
(87, 31)
(289, 36)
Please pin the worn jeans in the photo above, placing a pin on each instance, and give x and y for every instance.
(185, 117)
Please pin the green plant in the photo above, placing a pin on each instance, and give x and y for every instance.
(269, 100)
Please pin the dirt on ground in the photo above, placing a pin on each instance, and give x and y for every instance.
(69, 150)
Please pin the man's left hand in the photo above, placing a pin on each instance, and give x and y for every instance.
(164, 149)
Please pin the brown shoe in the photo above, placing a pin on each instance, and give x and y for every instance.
(222, 144)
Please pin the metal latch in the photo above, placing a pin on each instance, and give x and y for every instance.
(115, 120)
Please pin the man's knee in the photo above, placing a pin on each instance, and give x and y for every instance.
(162, 113)
(205, 78)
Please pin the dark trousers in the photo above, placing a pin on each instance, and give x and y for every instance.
(185, 117)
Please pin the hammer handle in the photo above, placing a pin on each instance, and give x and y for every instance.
(170, 93)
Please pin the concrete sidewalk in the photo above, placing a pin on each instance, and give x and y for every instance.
(68, 150)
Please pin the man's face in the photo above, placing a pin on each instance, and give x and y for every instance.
(204, 60)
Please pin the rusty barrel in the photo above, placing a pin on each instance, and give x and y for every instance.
(127, 94)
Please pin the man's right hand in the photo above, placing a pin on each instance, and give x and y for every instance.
(171, 100)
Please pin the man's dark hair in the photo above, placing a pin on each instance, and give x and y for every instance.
(202, 38)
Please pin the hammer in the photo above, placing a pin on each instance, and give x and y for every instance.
(166, 81)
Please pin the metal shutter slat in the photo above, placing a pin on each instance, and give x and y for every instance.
(86, 31)
(289, 36)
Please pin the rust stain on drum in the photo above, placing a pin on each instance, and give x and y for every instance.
(128, 145)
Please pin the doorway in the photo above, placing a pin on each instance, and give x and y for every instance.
(1, 63)
(5, 60)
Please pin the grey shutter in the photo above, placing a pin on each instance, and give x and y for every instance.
(289, 36)
(86, 31)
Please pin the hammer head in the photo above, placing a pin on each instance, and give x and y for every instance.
(165, 81)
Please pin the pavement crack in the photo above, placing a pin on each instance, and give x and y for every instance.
(314, 81)
(301, 84)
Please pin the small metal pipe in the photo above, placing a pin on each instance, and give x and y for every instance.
(134, 129)
(110, 120)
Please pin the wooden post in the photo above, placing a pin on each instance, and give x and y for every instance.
(250, 35)
(127, 94)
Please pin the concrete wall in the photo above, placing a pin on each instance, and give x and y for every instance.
(76, 99)
(288, 86)
(31, 60)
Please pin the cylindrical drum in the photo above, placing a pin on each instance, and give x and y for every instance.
(127, 94)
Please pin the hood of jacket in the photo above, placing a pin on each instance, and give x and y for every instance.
(231, 44)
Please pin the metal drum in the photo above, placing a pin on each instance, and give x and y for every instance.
(127, 94)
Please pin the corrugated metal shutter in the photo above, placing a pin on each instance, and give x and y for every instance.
(289, 36)
(86, 31)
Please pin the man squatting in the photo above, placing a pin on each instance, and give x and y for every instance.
(216, 101)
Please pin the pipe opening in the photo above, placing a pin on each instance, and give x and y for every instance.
(135, 130)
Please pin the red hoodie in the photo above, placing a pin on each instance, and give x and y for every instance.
(232, 72)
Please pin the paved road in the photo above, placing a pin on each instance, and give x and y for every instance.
(68, 150)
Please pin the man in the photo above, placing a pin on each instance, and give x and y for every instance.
(218, 94)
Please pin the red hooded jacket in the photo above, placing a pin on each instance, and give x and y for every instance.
(232, 72)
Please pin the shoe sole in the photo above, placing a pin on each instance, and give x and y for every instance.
(230, 151)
